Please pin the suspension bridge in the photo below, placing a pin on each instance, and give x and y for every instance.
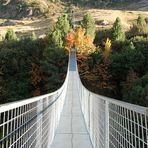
(73, 117)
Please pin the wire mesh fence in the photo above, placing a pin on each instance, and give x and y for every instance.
(31, 123)
(112, 123)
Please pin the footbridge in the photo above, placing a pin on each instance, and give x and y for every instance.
(73, 117)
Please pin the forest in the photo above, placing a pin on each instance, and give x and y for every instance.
(32, 66)
(111, 62)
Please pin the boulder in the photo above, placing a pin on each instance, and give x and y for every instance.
(104, 23)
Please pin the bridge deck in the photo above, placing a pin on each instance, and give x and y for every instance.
(72, 132)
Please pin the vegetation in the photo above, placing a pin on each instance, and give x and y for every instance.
(31, 66)
(61, 29)
(111, 62)
(140, 27)
(88, 23)
(117, 32)
(10, 35)
(118, 66)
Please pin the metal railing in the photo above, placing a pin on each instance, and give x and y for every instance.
(31, 123)
(112, 123)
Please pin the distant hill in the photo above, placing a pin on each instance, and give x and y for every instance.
(35, 8)
(112, 4)
(27, 8)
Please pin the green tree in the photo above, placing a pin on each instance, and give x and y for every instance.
(141, 20)
(63, 25)
(33, 36)
(88, 23)
(56, 38)
(117, 31)
(10, 35)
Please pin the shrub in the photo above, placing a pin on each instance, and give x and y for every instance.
(137, 93)
(101, 36)
(141, 20)
(33, 36)
(21, 6)
(10, 35)
(140, 28)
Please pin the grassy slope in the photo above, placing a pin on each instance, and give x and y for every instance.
(39, 16)
(41, 25)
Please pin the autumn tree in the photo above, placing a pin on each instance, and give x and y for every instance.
(96, 73)
(83, 43)
(107, 48)
(36, 79)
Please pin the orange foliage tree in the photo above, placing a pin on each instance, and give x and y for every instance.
(96, 74)
(36, 78)
(84, 43)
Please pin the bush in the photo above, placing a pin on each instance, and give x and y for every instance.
(137, 93)
(140, 28)
(139, 39)
(21, 6)
(101, 36)
(141, 20)
(10, 35)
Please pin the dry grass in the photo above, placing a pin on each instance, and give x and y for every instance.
(43, 25)
(127, 17)
(26, 27)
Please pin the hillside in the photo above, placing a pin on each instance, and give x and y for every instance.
(127, 17)
(25, 16)
(17, 9)
(115, 59)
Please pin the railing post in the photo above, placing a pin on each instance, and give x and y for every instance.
(106, 124)
(39, 123)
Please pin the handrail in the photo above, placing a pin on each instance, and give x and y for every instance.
(32, 122)
(112, 123)
(136, 108)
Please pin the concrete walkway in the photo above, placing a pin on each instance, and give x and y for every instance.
(72, 132)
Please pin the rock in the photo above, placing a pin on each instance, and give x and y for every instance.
(104, 23)
(42, 36)
(30, 11)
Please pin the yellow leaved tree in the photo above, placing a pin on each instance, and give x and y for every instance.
(107, 48)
